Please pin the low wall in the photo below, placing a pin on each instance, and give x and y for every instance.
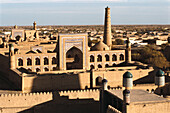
(82, 94)
(115, 78)
(12, 103)
(52, 82)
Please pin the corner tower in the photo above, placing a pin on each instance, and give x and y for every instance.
(107, 28)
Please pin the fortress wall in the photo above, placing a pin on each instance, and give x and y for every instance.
(115, 78)
(23, 100)
(82, 94)
(56, 82)
(51, 102)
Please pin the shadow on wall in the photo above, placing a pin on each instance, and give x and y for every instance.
(146, 79)
(52, 82)
(150, 78)
(61, 104)
(165, 90)
(8, 77)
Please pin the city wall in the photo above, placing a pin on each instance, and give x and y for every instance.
(81, 101)
(12, 103)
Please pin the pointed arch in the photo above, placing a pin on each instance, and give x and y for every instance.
(91, 58)
(99, 58)
(46, 62)
(29, 62)
(107, 57)
(37, 61)
(121, 57)
(114, 57)
(20, 62)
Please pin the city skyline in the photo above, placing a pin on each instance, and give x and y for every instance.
(89, 12)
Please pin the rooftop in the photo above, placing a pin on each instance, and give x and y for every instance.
(139, 96)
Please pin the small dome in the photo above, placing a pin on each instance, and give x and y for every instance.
(104, 80)
(126, 91)
(100, 46)
(127, 75)
(159, 73)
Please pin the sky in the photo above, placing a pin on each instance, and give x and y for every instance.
(83, 12)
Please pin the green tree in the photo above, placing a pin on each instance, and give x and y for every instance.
(150, 55)
(118, 42)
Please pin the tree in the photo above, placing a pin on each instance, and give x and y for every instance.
(118, 42)
(150, 55)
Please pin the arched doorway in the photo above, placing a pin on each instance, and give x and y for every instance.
(20, 62)
(91, 67)
(54, 60)
(107, 57)
(74, 59)
(37, 61)
(114, 57)
(38, 70)
(121, 57)
(99, 81)
(45, 61)
(29, 62)
(91, 58)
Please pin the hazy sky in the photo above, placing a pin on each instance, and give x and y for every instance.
(83, 12)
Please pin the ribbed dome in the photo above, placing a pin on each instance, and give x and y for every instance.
(100, 46)
(159, 73)
(127, 75)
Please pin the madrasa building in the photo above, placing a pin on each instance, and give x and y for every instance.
(67, 63)
(71, 52)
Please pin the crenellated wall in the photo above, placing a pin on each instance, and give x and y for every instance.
(12, 103)
(82, 94)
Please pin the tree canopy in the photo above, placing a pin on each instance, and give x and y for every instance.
(150, 55)
(118, 42)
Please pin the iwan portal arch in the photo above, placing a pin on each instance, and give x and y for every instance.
(72, 50)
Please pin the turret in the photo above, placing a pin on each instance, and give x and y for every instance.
(127, 80)
(11, 57)
(103, 98)
(107, 28)
(35, 25)
(160, 78)
(127, 83)
(128, 51)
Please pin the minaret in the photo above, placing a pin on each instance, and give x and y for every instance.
(11, 57)
(128, 51)
(107, 28)
(35, 25)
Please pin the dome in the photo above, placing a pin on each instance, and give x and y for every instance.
(100, 46)
(159, 73)
(127, 75)
(126, 91)
(104, 80)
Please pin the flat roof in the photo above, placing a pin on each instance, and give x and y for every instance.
(139, 96)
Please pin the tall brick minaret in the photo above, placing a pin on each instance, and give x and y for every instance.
(107, 28)
(35, 25)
